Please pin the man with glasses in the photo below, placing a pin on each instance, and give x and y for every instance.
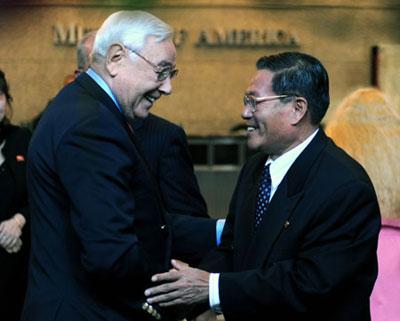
(99, 227)
(164, 146)
(300, 239)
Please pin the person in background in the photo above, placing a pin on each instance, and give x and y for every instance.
(99, 226)
(83, 51)
(300, 239)
(14, 238)
(367, 126)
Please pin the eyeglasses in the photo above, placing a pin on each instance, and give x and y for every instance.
(162, 72)
(252, 101)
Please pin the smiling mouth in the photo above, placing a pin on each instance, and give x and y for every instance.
(150, 98)
(251, 129)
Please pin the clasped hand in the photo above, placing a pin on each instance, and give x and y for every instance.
(10, 232)
(182, 285)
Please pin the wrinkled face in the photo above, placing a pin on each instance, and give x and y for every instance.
(3, 104)
(269, 127)
(136, 85)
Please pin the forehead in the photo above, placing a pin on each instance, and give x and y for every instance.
(261, 83)
(160, 53)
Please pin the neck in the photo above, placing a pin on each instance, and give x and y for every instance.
(298, 137)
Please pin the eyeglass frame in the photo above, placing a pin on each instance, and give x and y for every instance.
(160, 71)
(253, 100)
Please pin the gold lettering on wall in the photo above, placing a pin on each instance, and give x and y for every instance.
(70, 35)
(246, 38)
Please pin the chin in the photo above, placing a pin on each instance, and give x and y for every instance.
(255, 140)
(253, 143)
(142, 112)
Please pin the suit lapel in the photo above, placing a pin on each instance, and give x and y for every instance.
(278, 213)
(283, 204)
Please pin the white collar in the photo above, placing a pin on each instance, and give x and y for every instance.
(280, 166)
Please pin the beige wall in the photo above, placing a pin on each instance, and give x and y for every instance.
(389, 73)
(208, 91)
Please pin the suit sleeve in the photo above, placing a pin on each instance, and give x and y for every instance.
(94, 162)
(192, 237)
(220, 259)
(178, 184)
(337, 245)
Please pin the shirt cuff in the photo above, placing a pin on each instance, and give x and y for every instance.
(213, 283)
(219, 227)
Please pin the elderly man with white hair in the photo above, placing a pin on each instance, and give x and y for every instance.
(99, 227)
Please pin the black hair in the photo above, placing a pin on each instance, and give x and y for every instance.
(299, 74)
(4, 88)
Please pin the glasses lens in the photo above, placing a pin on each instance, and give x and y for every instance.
(165, 73)
(249, 101)
(174, 73)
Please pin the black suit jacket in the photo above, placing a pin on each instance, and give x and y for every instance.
(14, 151)
(99, 228)
(314, 255)
(14, 199)
(164, 147)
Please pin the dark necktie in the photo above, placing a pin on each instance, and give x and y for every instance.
(263, 195)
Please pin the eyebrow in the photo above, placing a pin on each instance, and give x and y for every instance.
(250, 93)
(165, 63)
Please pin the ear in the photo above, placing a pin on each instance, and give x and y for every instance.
(114, 59)
(299, 110)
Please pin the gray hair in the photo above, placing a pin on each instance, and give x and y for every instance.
(130, 28)
(84, 49)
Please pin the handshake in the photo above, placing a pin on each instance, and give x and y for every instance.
(10, 233)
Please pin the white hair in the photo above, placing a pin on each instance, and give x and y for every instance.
(130, 28)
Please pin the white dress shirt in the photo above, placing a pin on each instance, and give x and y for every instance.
(278, 169)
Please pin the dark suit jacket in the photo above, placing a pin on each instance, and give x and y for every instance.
(14, 151)
(314, 255)
(99, 228)
(165, 149)
(14, 199)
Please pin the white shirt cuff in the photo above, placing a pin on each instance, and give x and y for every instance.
(214, 301)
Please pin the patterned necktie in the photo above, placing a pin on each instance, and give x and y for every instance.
(263, 195)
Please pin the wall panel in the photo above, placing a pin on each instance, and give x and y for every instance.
(208, 92)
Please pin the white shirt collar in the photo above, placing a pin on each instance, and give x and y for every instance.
(280, 166)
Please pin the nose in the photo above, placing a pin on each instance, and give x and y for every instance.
(246, 112)
(166, 86)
